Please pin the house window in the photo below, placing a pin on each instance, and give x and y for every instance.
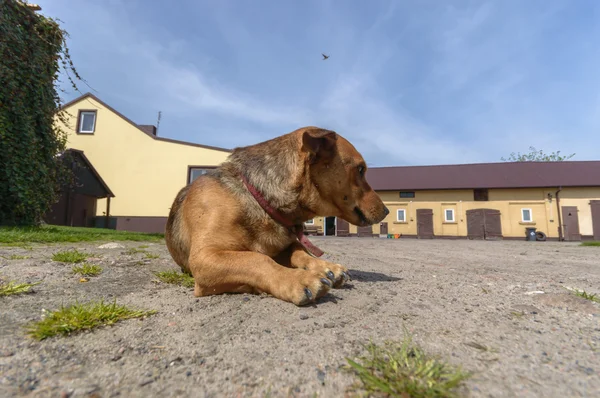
(526, 215)
(401, 215)
(480, 195)
(195, 172)
(449, 215)
(407, 194)
(87, 122)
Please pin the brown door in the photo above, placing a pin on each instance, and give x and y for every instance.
(484, 224)
(365, 232)
(595, 205)
(475, 224)
(383, 228)
(342, 227)
(492, 224)
(570, 223)
(425, 223)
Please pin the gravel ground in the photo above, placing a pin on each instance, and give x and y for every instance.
(476, 304)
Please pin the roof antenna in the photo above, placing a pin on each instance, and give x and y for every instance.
(158, 122)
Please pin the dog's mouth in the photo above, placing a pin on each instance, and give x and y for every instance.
(361, 216)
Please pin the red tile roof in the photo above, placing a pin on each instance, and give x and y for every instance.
(486, 175)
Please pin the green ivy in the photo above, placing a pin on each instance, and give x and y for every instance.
(32, 51)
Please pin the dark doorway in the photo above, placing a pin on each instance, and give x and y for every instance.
(330, 226)
(342, 227)
(484, 224)
(425, 223)
(383, 228)
(595, 205)
(571, 223)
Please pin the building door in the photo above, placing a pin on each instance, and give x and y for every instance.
(383, 228)
(484, 224)
(425, 223)
(342, 228)
(329, 226)
(571, 223)
(475, 224)
(492, 224)
(365, 232)
(595, 205)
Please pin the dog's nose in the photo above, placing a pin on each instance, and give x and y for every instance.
(386, 210)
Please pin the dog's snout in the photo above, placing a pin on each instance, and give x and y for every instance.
(386, 211)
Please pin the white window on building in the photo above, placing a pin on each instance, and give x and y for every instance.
(449, 215)
(310, 222)
(526, 215)
(401, 215)
(196, 172)
(87, 122)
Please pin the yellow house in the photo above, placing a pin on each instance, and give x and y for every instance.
(560, 200)
(143, 171)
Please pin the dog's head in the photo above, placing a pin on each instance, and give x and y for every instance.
(338, 181)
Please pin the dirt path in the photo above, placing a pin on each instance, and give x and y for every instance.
(466, 301)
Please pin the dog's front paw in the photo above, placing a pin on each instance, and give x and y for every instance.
(336, 273)
(307, 287)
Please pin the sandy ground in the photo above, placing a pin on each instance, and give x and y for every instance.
(448, 294)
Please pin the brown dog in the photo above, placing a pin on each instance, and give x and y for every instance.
(239, 227)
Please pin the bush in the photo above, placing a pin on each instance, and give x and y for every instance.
(32, 50)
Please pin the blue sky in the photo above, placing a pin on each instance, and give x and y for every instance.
(407, 82)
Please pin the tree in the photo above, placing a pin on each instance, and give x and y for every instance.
(537, 156)
(32, 51)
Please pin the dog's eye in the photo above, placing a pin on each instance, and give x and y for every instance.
(361, 170)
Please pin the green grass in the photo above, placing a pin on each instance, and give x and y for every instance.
(151, 255)
(10, 288)
(19, 236)
(79, 317)
(404, 370)
(87, 269)
(17, 257)
(134, 250)
(583, 294)
(69, 256)
(176, 278)
(591, 243)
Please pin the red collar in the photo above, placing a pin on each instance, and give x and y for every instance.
(281, 219)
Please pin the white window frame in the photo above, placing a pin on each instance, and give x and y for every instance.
(310, 222)
(81, 117)
(446, 215)
(523, 214)
(404, 215)
(191, 172)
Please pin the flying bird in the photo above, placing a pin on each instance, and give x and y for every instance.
(325, 56)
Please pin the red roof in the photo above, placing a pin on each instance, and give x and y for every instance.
(486, 175)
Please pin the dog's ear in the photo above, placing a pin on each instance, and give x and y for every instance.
(319, 143)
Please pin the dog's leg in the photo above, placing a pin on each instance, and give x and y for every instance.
(217, 272)
(337, 273)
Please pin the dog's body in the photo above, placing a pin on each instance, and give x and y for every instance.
(219, 233)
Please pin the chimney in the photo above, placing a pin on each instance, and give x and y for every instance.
(148, 129)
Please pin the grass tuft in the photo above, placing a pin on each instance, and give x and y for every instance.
(404, 370)
(78, 317)
(19, 236)
(176, 278)
(10, 288)
(134, 250)
(87, 269)
(583, 294)
(69, 256)
(151, 256)
(591, 243)
(17, 257)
